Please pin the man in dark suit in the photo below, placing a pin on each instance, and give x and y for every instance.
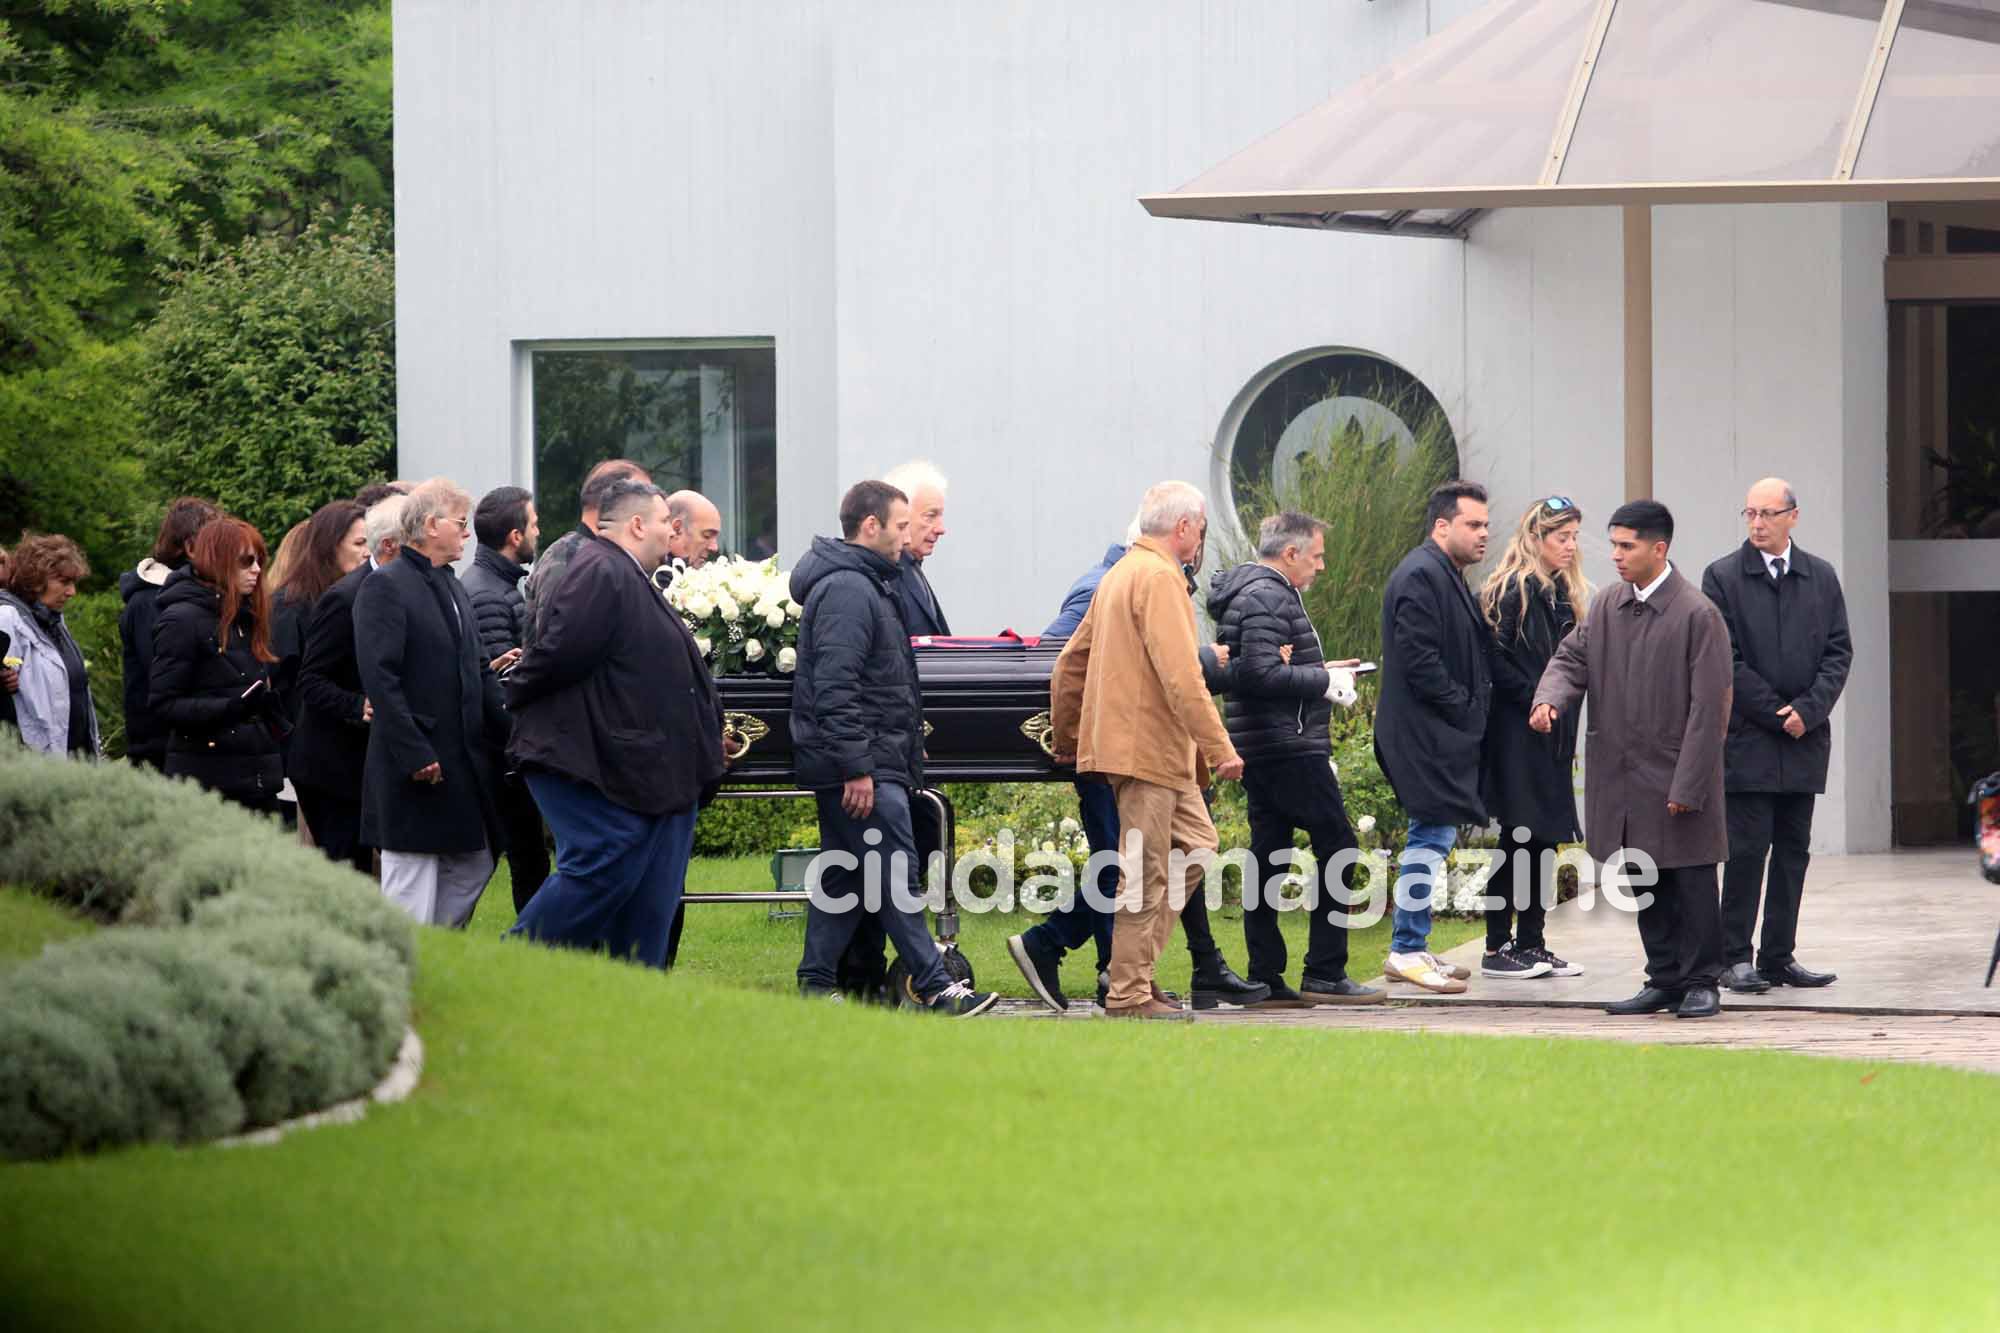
(1788, 624)
(330, 747)
(427, 795)
(618, 730)
(1430, 720)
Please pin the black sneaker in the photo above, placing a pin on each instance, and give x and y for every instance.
(1103, 988)
(1344, 991)
(1557, 967)
(959, 1000)
(1041, 970)
(1509, 963)
(826, 994)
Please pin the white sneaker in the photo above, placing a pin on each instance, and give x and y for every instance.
(1420, 969)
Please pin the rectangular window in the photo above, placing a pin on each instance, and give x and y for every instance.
(698, 416)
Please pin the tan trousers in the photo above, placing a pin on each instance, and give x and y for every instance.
(1168, 820)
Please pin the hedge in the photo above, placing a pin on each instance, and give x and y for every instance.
(250, 981)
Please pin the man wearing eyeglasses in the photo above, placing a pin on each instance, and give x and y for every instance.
(1788, 624)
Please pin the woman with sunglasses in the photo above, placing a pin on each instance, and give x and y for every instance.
(211, 681)
(1534, 597)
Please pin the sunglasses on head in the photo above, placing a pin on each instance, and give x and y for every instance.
(1556, 504)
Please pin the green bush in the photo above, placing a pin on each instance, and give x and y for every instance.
(755, 828)
(93, 622)
(252, 980)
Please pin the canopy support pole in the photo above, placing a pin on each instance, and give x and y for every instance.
(1638, 219)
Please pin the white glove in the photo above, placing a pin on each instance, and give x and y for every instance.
(1340, 687)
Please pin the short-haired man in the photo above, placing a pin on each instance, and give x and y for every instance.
(925, 485)
(507, 530)
(548, 570)
(1654, 661)
(1128, 701)
(858, 745)
(1430, 719)
(330, 747)
(622, 800)
(1787, 620)
(1282, 693)
(427, 792)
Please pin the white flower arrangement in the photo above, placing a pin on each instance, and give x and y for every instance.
(741, 615)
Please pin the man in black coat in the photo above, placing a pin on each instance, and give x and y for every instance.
(1431, 717)
(1788, 624)
(858, 744)
(1280, 704)
(506, 529)
(330, 747)
(923, 615)
(618, 730)
(427, 793)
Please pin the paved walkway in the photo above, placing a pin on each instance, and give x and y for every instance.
(1908, 933)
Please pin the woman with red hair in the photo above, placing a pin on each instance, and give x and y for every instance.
(212, 659)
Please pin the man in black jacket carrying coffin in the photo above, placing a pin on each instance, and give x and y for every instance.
(1787, 623)
(618, 728)
(858, 744)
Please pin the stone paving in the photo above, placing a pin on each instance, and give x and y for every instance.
(1908, 933)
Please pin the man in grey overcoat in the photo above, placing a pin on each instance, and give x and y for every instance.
(1653, 657)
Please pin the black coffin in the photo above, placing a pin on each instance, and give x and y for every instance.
(986, 717)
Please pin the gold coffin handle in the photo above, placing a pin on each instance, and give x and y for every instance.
(740, 731)
(1041, 729)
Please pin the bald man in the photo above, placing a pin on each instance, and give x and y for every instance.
(1788, 626)
(697, 528)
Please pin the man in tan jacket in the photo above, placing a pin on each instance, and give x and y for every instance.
(1129, 703)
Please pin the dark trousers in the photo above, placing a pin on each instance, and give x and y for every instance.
(1070, 927)
(1519, 884)
(1682, 929)
(1286, 795)
(828, 934)
(335, 822)
(864, 967)
(619, 874)
(1778, 825)
(527, 848)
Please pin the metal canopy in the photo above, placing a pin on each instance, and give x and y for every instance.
(1542, 103)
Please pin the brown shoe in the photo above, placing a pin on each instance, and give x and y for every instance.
(1161, 997)
(1150, 1009)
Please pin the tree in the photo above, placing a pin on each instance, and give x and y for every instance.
(268, 380)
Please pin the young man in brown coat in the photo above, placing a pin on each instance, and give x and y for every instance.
(1654, 657)
(1129, 703)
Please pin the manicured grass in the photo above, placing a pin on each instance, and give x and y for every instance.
(740, 944)
(597, 1147)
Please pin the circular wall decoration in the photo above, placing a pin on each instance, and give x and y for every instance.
(1309, 402)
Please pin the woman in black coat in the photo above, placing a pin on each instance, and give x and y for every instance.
(1534, 597)
(211, 676)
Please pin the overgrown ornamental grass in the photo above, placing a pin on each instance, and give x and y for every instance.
(596, 1147)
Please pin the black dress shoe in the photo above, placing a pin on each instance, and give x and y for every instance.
(1218, 985)
(1344, 991)
(1699, 1002)
(1744, 980)
(1791, 974)
(1647, 1001)
(1281, 996)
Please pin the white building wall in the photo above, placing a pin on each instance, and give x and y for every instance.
(932, 209)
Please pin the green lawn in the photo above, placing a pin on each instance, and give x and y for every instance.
(740, 944)
(595, 1147)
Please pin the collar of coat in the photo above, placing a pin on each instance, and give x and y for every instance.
(1754, 566)
(1662, 597)
(511, 570)
(1158, 548)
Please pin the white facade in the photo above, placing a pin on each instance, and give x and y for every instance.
(931, 209)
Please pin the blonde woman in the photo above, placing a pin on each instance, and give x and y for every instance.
(1535, 596)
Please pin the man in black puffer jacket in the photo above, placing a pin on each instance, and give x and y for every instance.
(1279, 707)
(858, 743)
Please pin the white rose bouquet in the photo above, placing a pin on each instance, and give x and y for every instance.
(741, 615)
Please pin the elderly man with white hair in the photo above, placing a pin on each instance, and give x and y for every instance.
(1130, 704)
(428, 798)
(925, 485)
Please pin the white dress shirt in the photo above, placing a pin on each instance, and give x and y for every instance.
(1643, 593)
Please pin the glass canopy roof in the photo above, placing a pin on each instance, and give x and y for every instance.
(1564, 102)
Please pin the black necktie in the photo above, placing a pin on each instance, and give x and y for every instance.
(1778, 569)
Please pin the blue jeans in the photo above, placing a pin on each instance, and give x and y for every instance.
(829, 933)
(1421, 863)
(619, 874)
(1067, 928)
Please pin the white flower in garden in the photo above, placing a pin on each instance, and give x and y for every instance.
(788, 659)
(753, 650)
(701, 644)
(1048, 847)
(1069, 827)
(775, 617)
(727, 606)
(1367, 824)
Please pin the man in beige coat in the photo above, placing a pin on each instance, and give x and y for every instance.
(1129, 703)
(1654, 656)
